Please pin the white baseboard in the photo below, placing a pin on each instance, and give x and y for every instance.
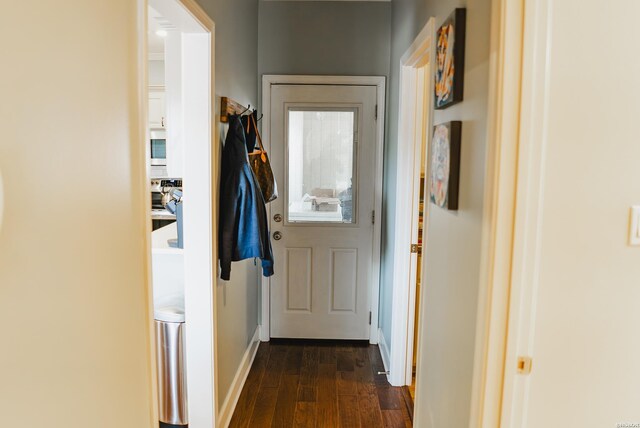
(384, 350)
(229, 405)
(375, 334)
(264, 331)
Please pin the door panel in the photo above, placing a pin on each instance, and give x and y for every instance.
(322, 154)
(298, 279)
(344, 273)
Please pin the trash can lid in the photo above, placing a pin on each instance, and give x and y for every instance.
(169, 314)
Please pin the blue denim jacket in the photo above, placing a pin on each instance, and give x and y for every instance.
(243, 225)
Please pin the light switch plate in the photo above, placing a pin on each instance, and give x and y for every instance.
(634, 230)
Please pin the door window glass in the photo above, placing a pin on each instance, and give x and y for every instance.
(320, 166)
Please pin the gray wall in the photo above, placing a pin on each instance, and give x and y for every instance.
(364, 38)
(451, 279)
(344, 38)
(236, 77)
(236, 47)
(324, 38)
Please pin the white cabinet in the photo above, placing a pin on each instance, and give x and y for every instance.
(157, 108)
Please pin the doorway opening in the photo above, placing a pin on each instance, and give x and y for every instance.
(412, 208)
(325, 137)
(177, 59)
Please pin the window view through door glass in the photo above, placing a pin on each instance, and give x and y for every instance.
(320, 168)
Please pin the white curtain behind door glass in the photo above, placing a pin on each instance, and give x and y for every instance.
(320, 170)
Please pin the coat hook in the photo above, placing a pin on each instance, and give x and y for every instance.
(261, 116)
(246, 110)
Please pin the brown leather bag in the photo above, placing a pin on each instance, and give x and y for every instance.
(259, 161)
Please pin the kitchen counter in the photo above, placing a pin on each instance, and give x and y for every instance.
(162, 215)
(167, 266)
(160, 236)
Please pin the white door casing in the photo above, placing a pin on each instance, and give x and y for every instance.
(268, 82)
(321, 286)
(416, 87)
(200, 217)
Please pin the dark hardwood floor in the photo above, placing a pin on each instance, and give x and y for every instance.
(304, 383)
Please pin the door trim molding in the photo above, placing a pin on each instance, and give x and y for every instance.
(380, 83)
(414, 105)
(198, 13)
(200, 307)
(498, 281)
(143, 135)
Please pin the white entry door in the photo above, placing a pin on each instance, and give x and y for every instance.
(323, 141)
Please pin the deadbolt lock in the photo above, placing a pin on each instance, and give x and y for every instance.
(277, 218)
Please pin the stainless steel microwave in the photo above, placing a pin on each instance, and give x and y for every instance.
(158, 142)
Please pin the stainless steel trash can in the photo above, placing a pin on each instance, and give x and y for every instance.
(172, 379)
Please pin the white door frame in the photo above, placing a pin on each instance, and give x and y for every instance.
(380, 83)
(144, 136)
(528, 189)
(200, 228)
(498, 282)
(416, 115)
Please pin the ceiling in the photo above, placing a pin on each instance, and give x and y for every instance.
(157, 22)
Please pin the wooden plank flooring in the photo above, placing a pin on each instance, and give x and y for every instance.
(303, 383)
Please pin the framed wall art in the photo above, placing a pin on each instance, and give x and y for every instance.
(449, 80)
(445, 165)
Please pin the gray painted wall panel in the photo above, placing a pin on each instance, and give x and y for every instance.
(325, 38)
(236, 66)
(451, 280)
(342, 38)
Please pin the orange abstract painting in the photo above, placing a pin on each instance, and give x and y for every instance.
(450, 60)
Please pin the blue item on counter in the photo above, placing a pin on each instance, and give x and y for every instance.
(175, 207)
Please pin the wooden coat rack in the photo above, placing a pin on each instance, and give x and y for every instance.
(230, 107)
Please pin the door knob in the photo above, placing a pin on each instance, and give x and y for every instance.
(277, 236)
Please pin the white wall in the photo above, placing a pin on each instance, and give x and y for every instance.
(586, 280)
(174, 93)
(156, 73)
(75, 341)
